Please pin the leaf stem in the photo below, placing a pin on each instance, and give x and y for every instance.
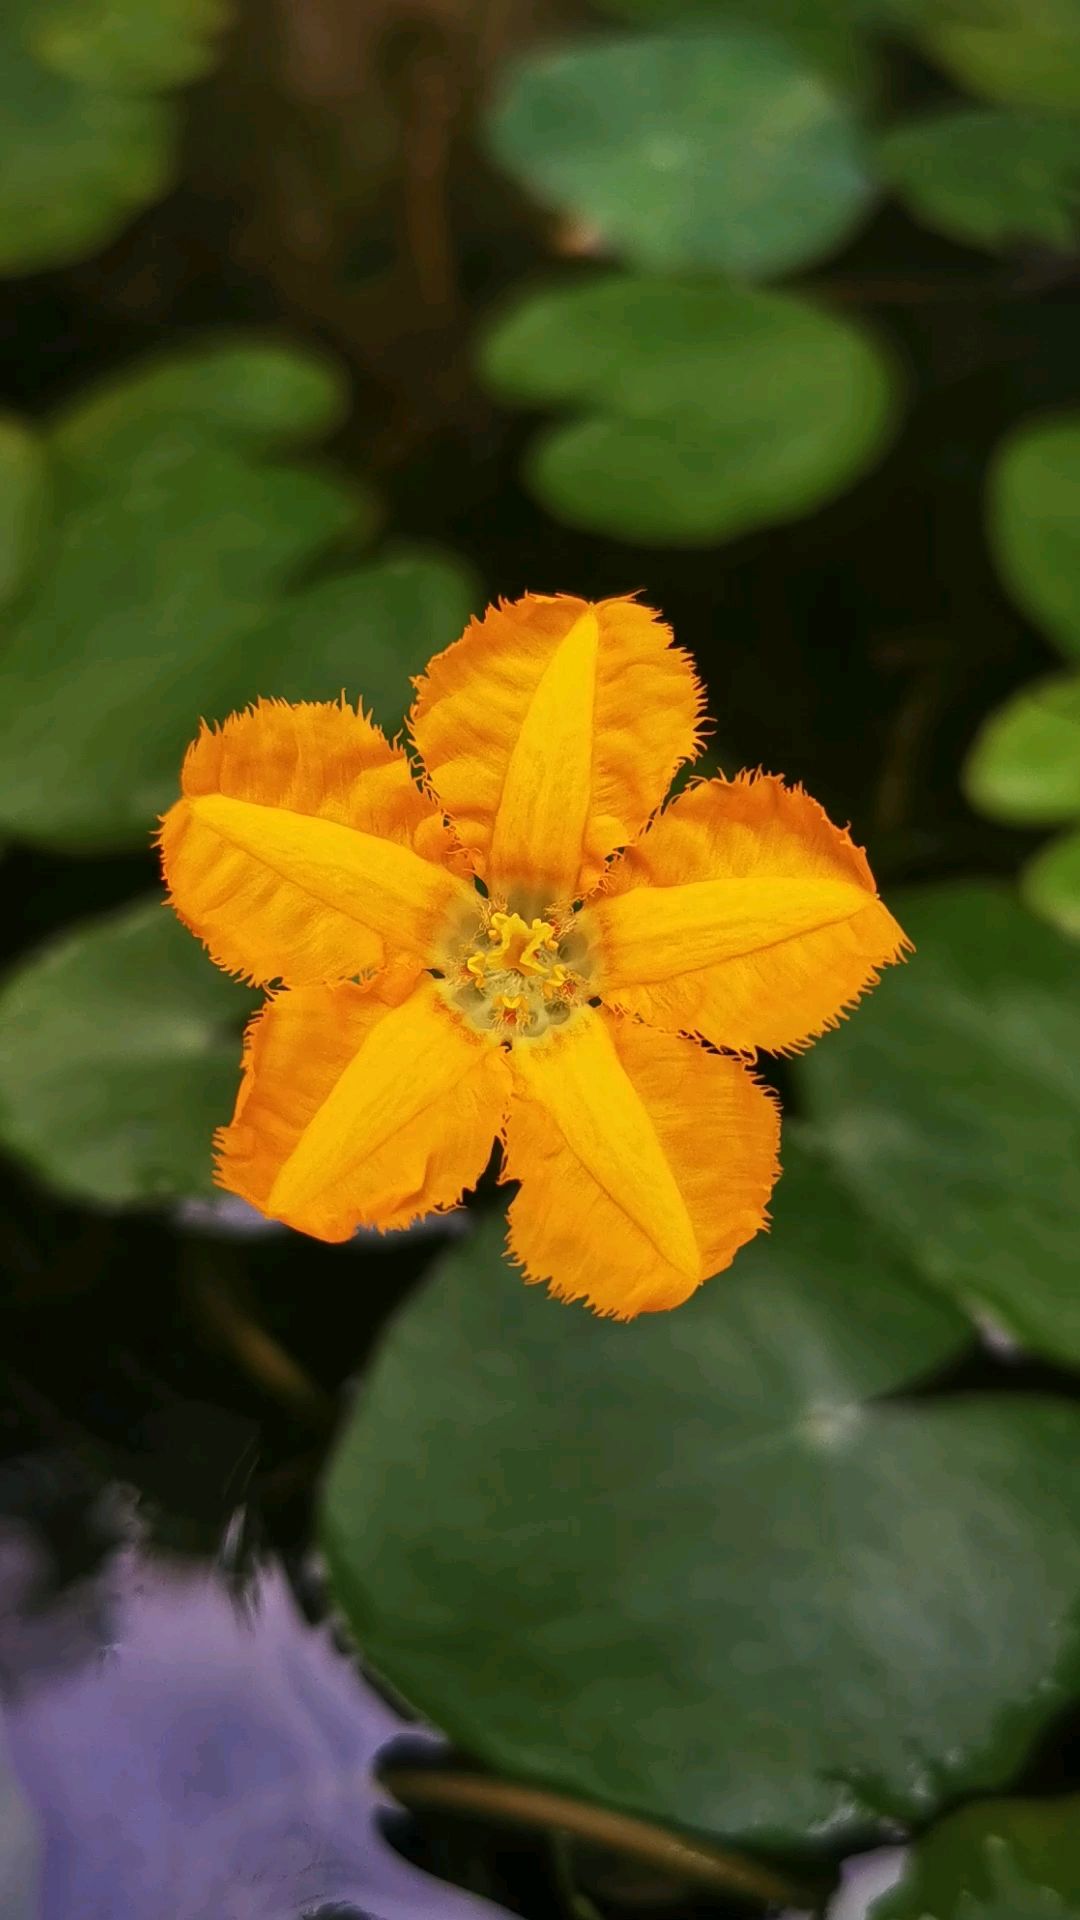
(675, 1854)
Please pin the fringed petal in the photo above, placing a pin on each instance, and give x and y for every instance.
(550, 732)
(743, 915)
(302, 849)
(361, 1106)
(645, 1163)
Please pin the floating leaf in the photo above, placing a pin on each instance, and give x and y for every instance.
(182, 579)
(696, 1566)
(708, 411)
(1050, 883)
(991, 178)
(1025, 764)
(951, 1106)
(1023, 52)
(85, 139)
(1034, 512)
(1005, 1860)
(721, 150)
(119, 1049)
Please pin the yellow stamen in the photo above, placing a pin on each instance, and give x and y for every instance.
(525, 947)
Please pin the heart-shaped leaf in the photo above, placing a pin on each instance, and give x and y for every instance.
(951, 1106)
(1034, 524)
(991, 178)
(707, 411)
(86, 137)
(190, 567)
(721, 150)
(697, 1566)
(119, 1055)
(1005, 1860)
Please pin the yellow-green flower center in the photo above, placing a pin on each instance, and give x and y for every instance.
(513, 978)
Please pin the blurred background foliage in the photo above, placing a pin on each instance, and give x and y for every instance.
(324, 323)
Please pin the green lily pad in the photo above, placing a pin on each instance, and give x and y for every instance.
(1025, 54)
(698, 1566)
(708, 411)
(1034, 524)
(989, 178)
(951, 1106)
(1006, 1860)
(87, 133)
(193, 564)
(1050, 883)
(1025, 764)
(119, 1055)
(721, 150)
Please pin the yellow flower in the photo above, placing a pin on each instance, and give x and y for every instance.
(520, 949)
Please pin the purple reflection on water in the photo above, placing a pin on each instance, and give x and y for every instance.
(190, 1757)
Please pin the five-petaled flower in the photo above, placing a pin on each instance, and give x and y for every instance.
(520, 948)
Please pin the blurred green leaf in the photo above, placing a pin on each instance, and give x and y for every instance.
(826, 34)
(719, 150)
(188, 572)
(370, 631)
(1050, 883)
(24, 487)
(1034, 523)
(244, 388)
(951, 1106)
(697, 1566)
(84, 141)
(1006, 1860)
(1022, 52)
(119, 1055)
(991, 178)
(708, 410)
(1025, 763)
(122, 45)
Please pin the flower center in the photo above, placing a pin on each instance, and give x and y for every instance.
(512, 977)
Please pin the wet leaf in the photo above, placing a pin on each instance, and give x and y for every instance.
(1006, 1860)
(705, 1565)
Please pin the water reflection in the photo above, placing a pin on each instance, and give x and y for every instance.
(192, 1755)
